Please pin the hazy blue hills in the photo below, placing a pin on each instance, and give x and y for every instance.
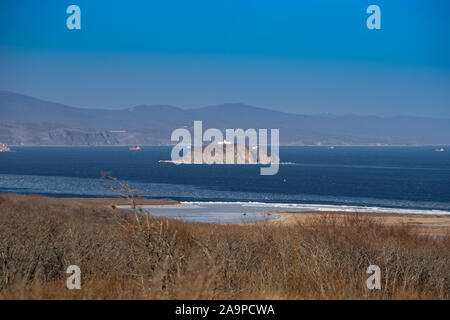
(26, 120)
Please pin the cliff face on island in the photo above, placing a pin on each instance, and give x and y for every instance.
(29, 121)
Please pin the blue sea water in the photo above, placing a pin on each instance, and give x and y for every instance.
(369, 178)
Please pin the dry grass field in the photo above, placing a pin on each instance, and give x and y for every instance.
(123, 255)
(432, 225)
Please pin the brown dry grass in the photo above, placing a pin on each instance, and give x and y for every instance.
(421, 224)
(123, 256)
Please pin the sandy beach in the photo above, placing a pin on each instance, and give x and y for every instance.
(424, 224)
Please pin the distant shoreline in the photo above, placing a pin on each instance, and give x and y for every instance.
(281, 145)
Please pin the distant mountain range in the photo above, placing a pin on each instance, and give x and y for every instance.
(29, 121)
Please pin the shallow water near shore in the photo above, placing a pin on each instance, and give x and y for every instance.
(244, 212)
(221, 213)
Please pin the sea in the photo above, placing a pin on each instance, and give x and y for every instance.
(365, 179)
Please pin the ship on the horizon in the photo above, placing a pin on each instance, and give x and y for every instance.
(4, 148)
(440, 150)
(135, 148)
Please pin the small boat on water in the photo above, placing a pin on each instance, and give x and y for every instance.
(135, 148)
(4, 148)
(440, 150)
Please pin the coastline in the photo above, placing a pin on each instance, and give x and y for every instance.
(124, 202)
(423, 224)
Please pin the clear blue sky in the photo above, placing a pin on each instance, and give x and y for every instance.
(294, 56)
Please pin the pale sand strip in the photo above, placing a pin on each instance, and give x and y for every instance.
(425, 224)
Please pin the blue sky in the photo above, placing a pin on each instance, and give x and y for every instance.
(294, 56)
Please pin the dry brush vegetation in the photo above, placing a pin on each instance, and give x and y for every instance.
(127, 256)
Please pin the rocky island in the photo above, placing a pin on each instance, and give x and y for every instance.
(216, 153)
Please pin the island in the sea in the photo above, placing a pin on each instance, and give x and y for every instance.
(217, 153)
